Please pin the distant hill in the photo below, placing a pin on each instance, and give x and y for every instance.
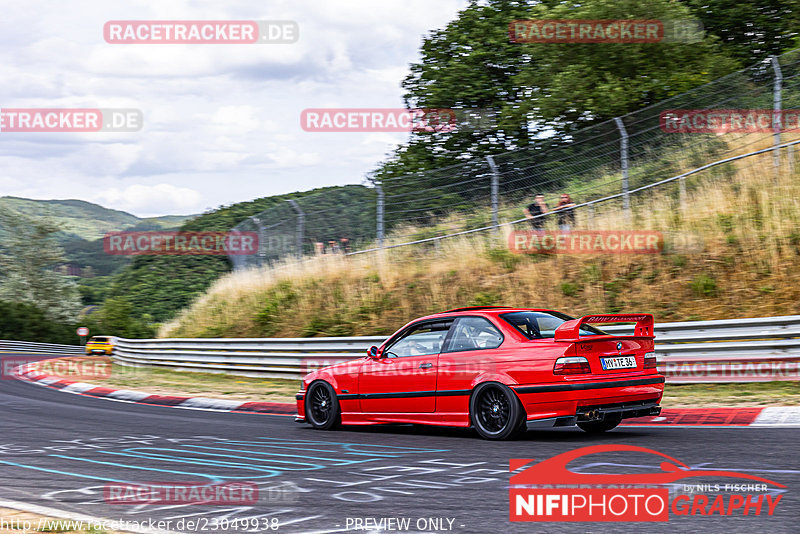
(84, 220)
(82, 226)
(159, 286)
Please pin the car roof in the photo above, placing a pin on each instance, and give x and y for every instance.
(482, 310)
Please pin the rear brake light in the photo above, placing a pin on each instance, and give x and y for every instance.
(650, 360)
(572, 365)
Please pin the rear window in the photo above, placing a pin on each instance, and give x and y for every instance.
(542, 325)
(99, 339)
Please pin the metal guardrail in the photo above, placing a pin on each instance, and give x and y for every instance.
(43, 348)
(731, 350)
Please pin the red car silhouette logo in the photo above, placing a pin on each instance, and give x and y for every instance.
(554, 470)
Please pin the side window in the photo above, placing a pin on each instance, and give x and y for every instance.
(474, 333)
(421, 340)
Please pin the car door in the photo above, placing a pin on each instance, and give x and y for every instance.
(471, 350)
(403, 380)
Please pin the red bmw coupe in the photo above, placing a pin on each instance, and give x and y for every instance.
(500, 370)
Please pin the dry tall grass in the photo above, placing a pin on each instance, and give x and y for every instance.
(745, 216)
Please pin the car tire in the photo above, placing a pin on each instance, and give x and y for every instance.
(495, 411)
(322, 407)
(597, 427)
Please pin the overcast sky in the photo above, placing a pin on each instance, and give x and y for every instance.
(221, 122)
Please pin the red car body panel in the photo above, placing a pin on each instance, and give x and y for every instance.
(435, 389)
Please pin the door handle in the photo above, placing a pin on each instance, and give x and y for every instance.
(425, 365)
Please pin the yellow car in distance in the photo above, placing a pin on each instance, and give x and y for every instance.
(101, 344)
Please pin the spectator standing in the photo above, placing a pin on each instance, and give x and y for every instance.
(566, 213)
(534, 212)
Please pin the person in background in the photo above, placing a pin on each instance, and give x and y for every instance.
(566, 213)
(345, 245)
(534, 210)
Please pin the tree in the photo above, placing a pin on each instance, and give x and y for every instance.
(23, 321)
(28, 262)
(539, 92)
(750, 31)
(117, 317)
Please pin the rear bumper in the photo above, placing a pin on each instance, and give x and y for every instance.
(578, 401)
(625, 409)
(597, 413)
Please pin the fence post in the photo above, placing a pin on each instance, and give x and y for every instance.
(379, 210)
(495, 191)
(301, 223)
(626, 201)
(776, 115)
(262, 253)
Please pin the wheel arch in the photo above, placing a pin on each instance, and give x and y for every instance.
(476, 386)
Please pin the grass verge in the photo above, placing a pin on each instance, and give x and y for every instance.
(194, 384)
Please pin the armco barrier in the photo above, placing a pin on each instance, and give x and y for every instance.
(43, 348)
(731, 350)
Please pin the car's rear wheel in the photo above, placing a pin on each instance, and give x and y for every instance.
(495, 411)
(596, 427)
(322, 406)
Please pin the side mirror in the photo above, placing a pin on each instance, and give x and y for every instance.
(372, 352)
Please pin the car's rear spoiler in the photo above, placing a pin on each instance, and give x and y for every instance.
(570, 330)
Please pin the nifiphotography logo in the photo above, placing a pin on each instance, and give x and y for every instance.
(548, 491)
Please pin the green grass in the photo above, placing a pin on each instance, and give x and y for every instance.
(198, 384)
(750, 394)
(223, 386)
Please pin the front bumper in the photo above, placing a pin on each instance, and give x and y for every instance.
(301, 408)
(598, 413)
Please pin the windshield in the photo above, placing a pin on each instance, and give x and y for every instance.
(541, 325)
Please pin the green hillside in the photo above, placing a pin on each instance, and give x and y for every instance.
(159, 286)
(81, 219)
(81, 227)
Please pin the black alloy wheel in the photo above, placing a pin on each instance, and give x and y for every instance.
(496, 412)
(322, 406)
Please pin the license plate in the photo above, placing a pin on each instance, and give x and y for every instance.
(619, 362)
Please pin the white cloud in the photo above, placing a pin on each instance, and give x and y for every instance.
(151, 199)
(221, 122)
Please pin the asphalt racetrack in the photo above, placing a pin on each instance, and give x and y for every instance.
(59, 450)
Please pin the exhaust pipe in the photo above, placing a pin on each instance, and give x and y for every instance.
(593, 415)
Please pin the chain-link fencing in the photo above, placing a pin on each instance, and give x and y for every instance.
(754, 108)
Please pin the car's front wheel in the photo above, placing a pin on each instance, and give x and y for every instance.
(322, 406)
(596, 427)
(495, 411)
